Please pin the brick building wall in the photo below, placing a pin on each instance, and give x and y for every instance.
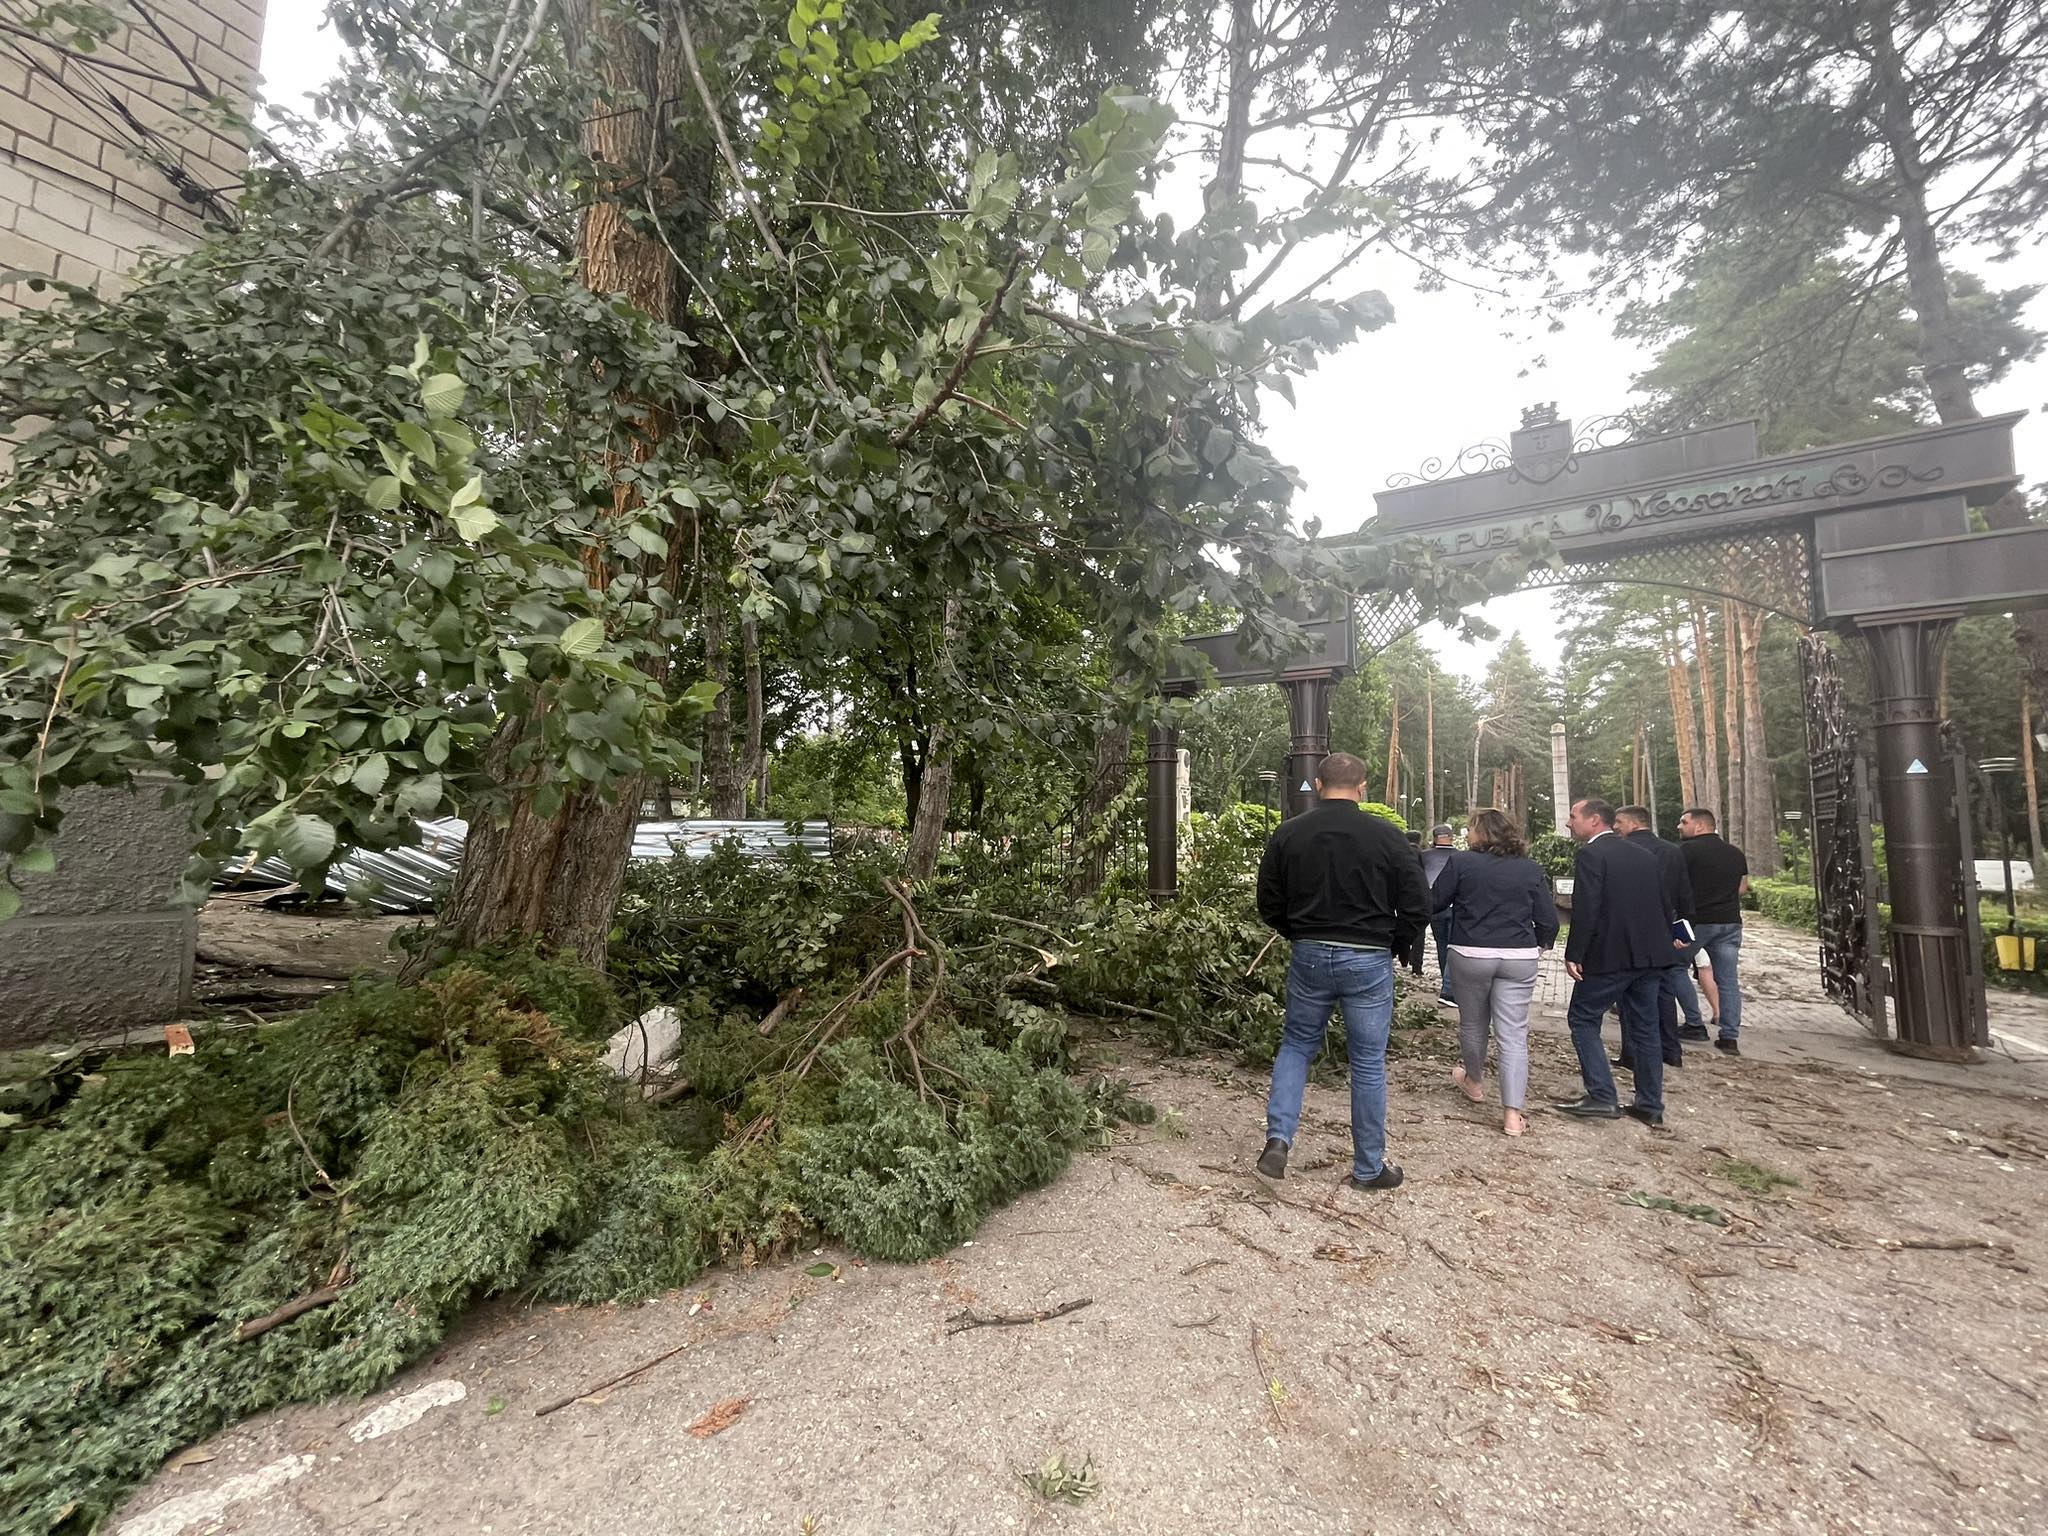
(99, 155)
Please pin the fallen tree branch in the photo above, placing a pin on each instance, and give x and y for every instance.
(951, 382)
(312, 1301)
(1269, 1384)
(968, 1319)
(784, 1007)
(611, 1381)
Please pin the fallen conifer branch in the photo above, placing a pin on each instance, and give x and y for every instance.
(966, 1318)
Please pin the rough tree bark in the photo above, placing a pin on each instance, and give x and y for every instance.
(1759, 795)
(725, 790)
(1678, 683)
(935, 794)
(556, 878)
(752, 762)
(1731, 714)
(1710, 751)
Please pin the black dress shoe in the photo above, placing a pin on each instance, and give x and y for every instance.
(1589, 1109)
(1676, 1062)
(1273, 1161)
(1389, 1177)
(1726, 1043)
(1647, 1116)
(1693, 1032)
(1622, 1062)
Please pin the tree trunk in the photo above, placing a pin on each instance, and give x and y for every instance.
(1429, 752)
(1759, 794)
(928, 830)
(752, 763)
(726, 791)
(2033, 788)
(1710, 751)
(551, 872)
(1227, 184)
(1678, 683)
(1394, 753)
(910, 758)
(1731, 715)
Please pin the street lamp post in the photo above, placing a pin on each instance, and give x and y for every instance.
(1796, 817)
(1269, 785)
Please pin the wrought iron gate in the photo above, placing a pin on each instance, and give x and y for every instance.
(1844, 858)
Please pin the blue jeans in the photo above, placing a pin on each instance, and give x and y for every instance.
(1440, 930)
(1636, 994)
(1723, 943)
(1320, 979)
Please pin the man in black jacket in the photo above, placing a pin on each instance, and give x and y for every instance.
(1675, 991)
(1619, 946)
(1347, 889)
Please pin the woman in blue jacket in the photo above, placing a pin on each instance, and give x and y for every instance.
(1502, 916)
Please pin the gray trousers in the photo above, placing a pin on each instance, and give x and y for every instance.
(1495, 994)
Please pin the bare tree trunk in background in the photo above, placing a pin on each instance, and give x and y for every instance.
(1429, 752)
(1635, 765)
(1678, 683)
(721, 774)
(2033, 787)
(1394, 753)
(555, 878)
(1731, 715)
(1710, 750)
(935, 793)
(751, 764)
(1759, 794)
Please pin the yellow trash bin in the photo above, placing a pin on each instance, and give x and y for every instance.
(2009, 951)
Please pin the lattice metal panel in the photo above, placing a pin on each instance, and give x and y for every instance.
(1767, 568)
(1845, 877)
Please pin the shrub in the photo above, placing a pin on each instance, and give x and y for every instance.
(1791, 902)
(1556, 852)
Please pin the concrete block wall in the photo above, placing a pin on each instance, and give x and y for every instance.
(83, 189)
(98, 945)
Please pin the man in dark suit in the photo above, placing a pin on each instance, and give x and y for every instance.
(1619, 946)
(1675, 991)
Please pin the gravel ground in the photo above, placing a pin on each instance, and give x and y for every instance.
(1504, 1345)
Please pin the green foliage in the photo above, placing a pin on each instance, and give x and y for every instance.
(1711, 1215)
(1556, 852)
(1752, 1178)
(1384, 812)
(1060, 1480)
(1791, 902)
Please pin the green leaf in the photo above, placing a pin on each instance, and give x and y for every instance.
(438, 569)
(474, 522)
(416, 797)
(435, 748)
(10, 902)
(371, 773)
(472, 490)
(419, 442)
(306, 842)
(583, 637)
(421, 351)
(647, 539)
(39, 860)
(383, 493)
(442, 394)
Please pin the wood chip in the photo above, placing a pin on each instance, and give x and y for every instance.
(719, 1417)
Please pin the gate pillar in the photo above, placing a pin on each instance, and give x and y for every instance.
(1923, 848)
(1308, 720)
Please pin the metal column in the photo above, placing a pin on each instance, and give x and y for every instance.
(1308, 717)
(1162, 820)
(1923, 848)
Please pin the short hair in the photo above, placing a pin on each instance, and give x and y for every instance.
(1340, 770)
(1497, 833)
(1415, 837)
(1702, 814)
(1600, 810)
(1441, 829)
(1633, 813)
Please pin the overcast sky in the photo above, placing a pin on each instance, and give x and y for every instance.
(1442, 376)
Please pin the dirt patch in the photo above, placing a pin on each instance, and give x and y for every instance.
(1503, 1345)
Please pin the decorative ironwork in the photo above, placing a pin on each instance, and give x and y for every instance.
(1975, 1003)
(1848, 480)
(1492, 455)
(1769, 568)
(1542, 414)
(1844, 861)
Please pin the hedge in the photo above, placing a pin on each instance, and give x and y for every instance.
(1793, 903)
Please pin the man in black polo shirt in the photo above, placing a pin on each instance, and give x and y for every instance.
(1347, 889)
(1720, 875)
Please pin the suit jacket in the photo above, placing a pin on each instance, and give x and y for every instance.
(1621, 909)
(1677, 879)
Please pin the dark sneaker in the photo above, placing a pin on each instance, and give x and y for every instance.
(1727, 1043)
(1647, 1116)
(1273, 1161)
(1693, 1032)
(1389, 1177)
(1590, 1109)
(1447, 999)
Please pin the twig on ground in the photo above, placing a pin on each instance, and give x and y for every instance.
(1443, 1258)
(612, 1381)
(784, 1006)
(327, 1295)
(1238, 1237)
(1201, 1264)
(1925, 1455)
(967, 1319)
(1206, 1322)
(1269, 1384)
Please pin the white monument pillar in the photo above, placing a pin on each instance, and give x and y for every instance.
(1560, 777)
(1183, 786)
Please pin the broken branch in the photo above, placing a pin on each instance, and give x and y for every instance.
(312, 1301)
(967, 1319)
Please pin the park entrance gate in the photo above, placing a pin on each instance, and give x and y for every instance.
(1870, 540)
